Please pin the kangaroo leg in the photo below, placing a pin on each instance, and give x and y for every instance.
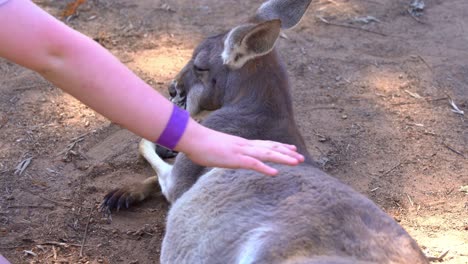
(163, 170)
(128, 195)
(173, 179)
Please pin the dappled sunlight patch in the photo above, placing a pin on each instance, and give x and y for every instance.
(436, 243)
(163, 62)
(382, 80)
(338, 9)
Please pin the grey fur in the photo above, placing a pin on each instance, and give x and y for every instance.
(239, 216)
(300, 216)
(308, 217)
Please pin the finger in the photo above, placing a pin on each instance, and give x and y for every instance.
(247, 162)
(276, 144)
(289, 150)
(266, 154)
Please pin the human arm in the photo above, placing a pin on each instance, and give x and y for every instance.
(75, 63)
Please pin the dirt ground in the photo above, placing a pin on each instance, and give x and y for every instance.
(371, 99)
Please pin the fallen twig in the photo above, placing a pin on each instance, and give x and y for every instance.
(54, 252)
(323, 108)
(414, 95)
(60, 244)
(366, 19)
(454, 151)
(31, 206)
(48, 199)
(322, 138)
(424, 61)
(86, 231)
(349, 26)
(410, 200)
(21, 167)
(437, 99)
(73, 142)
(393, 168)
(29, 252)
(455, 109)
(440, 257)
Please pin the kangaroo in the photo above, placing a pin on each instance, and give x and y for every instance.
(239, 216)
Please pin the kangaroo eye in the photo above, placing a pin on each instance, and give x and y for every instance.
(199, 69)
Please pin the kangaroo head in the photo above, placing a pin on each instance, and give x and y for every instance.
(228, 60)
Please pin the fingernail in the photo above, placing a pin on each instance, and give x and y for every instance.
(273, 172)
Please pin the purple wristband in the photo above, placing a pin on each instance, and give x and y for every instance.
(175, 128)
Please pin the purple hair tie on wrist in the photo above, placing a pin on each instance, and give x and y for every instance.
(175, 128)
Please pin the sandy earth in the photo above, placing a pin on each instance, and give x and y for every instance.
(372, 101)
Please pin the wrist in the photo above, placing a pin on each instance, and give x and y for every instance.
(175, 128)
(194, 138)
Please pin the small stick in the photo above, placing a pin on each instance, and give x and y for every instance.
(31, 206)
(348, 26)
(47, 199)
(424, 61)
(73, 143)
(86, 232)
(438, 99)
(439, 258)
(454, 150)
(375, 189)
(60, 244)
(414, 95)
(29, 252)
(55, 252)
(455, 108)
(323, 108)
(390, 170)
(409, 199)
(404, 103)
(23, 165)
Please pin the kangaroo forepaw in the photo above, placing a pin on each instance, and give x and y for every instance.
(125, 197)
(117, 199)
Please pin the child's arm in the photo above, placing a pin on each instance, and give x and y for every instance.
(75, 63)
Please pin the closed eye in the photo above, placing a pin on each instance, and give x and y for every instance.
(199, 69)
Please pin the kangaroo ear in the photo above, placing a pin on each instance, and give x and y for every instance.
(289, 12)
(246, 42)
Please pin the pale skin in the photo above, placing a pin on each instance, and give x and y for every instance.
(81, 67)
